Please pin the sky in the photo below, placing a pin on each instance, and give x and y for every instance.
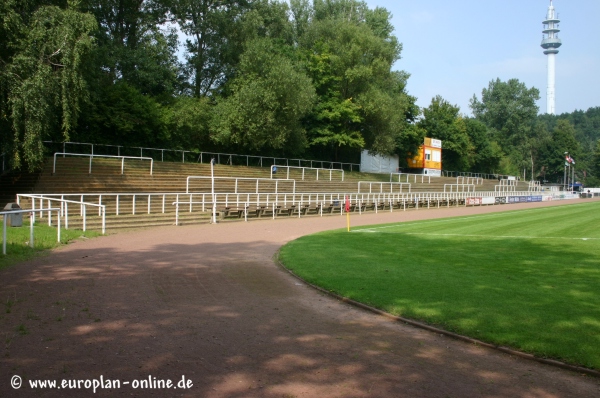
(455, 48)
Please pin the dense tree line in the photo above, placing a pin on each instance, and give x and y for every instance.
(298, 78)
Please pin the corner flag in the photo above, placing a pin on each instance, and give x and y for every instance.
(347, 208)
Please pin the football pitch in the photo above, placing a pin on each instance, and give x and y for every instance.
(526, 279)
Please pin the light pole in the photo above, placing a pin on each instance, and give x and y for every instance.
(212, 183)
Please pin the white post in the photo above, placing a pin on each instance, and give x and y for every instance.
(212, 178)
(30, 231)
(58, 226)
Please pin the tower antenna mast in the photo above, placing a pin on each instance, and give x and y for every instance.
(550, 44)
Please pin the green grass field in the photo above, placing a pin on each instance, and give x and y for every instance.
(44, 238)
(527, 279)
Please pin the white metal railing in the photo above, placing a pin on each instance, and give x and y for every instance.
(469, 180)
(371, 184)
(459, 187)
(31, 222)
(64, 208)
(303, 202)
(156, 202)
(92, 156)
(238, 179)
(535, 186)
(505, 188)
(413, 177)
(275, 169)
(508, 182)
(202, 157)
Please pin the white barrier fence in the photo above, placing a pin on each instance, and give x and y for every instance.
(380, 185)
(64, 208)
(131, 203)
(411, 177)
(31, 212)
(275, 168)
(103, 156)
(237, 181)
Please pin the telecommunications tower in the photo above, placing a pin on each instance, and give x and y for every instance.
(550, 44)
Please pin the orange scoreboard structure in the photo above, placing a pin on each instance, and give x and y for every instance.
(428, 159)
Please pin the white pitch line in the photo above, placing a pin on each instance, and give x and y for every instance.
(451, 219)
(499, 236)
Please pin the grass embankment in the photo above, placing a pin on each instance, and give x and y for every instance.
(526, 279)
(44, 238)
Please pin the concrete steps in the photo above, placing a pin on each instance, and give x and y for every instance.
(72, 176)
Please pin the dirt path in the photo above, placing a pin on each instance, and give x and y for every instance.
(208, 303)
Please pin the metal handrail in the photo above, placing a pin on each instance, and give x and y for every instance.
(102, 156)
(463, 186)
(64, 208)
(236, 179)
(273, 171)
(217, 156)
(408, 175)
(469, 180)
(32, 220)
(204, 201)
(319, 200)
(381, 184)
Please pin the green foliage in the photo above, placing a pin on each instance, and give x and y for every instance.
(587, 132)
(132, 46)
(562, 140)
(44, 238)
(596, 160)
(509, 110)
(187, 120)
(441, 121)
(486, 154)
(43, 80)
(269, 98)
(214, 40)
(120, 113)
(312, 79)
(349, 52)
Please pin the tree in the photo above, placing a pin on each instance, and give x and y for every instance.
(42, 79)
(553, 153)
(213, 42)
(441, 120)
(349, 52)
(269, 98)
(133, 46)
(122, 114)
(509, 109)
(187, 121)
(486, 154)
(594, 179)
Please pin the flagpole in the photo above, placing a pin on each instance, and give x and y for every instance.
(565, 173)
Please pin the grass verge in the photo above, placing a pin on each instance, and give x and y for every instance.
(44, 238)
(524, 279)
